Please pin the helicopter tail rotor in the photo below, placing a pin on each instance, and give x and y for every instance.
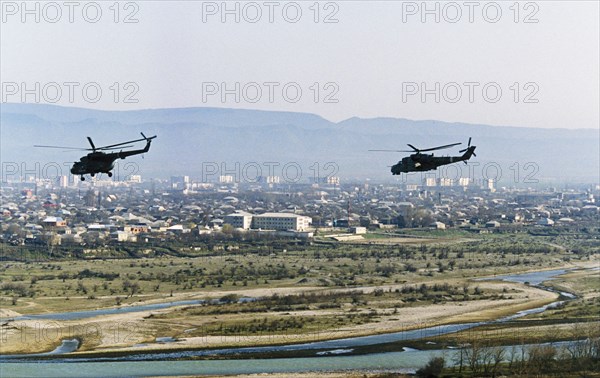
(469, 148)
(148, 139)
(468, 145)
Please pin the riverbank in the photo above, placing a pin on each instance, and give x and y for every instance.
(371, 356)
(137, 332)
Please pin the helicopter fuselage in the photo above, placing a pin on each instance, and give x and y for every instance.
(102, 162)
(426, 162)
(95, 162)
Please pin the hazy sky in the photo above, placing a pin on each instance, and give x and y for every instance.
(338, 59)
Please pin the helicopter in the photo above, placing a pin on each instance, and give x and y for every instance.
(419, 162)
(99, 161)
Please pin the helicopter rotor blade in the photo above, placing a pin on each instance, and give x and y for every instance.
(109, 147)
(68, 148)
(440, 147)
(118, 144)
(91, 143)
(389, 151)
(413, 147)
(115, 148)
(131, 141)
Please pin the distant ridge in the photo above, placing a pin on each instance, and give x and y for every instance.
(188, 137)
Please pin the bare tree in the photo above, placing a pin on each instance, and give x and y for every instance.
(541, 359)
(433, 369)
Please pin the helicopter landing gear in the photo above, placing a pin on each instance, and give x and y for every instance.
(109, 174)
(82, 178)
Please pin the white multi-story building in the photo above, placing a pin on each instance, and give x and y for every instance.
(446, 181)
(226, 179)
(430, 181)
(269, 221)
(239, 219)
(63, 181)
(464, 181)
(269, 179)
(333, 180)
(281, 221)
(135, 179)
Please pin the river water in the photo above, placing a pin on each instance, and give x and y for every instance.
(406, 361)
(330, 355)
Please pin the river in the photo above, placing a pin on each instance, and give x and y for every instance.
(329, 355)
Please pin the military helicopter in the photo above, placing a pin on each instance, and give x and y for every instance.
(419, 162)
(99, 161)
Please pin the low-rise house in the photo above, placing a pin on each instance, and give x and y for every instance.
(71, 239)
(545, 222)
(123, 236)
(438, 225)
(52, 222)
(492, 224)
(358, 230)
(135, 229)
(178, 229)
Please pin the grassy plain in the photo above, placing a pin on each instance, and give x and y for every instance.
(305, 291)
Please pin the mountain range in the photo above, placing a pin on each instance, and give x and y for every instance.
(191, 139)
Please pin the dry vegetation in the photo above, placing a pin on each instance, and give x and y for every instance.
(302, 292)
